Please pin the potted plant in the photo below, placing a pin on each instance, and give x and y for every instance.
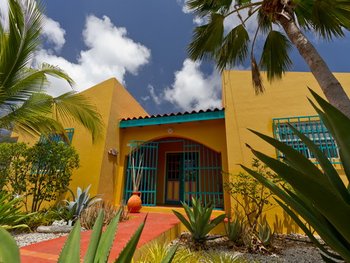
(135, 203)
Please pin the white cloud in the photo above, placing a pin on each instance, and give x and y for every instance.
(183, 4)
(156, 98)
(53, 32)
(110, 53)
(192, 90)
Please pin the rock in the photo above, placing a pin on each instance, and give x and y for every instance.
(59, 223)
(54, 229)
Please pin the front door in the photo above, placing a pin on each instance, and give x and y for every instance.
(181, 176)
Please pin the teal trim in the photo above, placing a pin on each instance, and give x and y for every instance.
(58, 138)
(190, 117)
(312, 127)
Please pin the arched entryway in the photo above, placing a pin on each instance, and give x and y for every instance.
(175, 170)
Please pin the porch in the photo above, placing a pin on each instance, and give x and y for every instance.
(175, 170)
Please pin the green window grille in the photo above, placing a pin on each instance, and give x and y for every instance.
(148, 153)
(312, 127)
(193, 170)
(58, 137)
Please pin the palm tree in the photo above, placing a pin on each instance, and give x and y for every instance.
(24, 105)
(328, 18)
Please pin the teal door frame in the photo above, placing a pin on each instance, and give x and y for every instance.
(199, 164)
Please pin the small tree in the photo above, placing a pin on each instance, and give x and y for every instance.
(250, 196)
(39, 173)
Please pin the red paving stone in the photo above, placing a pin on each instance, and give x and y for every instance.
(156, 224)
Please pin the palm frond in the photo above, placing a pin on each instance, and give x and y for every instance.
(256, 77)
(234, 48)
(264, 22)
(22, 39)
(326, 17)
(274, 58)
(72, 106)
(207, 38)
(205, 7)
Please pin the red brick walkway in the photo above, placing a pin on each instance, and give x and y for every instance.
(156, 224)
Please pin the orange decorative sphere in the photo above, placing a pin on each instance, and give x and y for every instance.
(134, 202)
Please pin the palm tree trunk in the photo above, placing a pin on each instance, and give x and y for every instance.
(330, 86)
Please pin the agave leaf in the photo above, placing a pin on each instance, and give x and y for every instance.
(306, 230)
(190, 214)
(310, 188)
(168, 258)
(107, 238)
(9, 251)
(129, 250)
(94, 239)
(183, 220)
(71, 249)
(327, 167)
(339, 124)
(306, 212)
(213, 223)
(294, 158)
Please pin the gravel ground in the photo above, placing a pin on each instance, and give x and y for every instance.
(25, 239)
(286, 248)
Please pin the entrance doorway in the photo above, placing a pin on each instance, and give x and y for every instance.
(175, 170)
(181, 176)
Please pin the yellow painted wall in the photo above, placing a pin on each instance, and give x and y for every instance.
(209, 133)
(97, 167)
(243, 109)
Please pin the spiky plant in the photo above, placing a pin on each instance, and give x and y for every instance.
(198, 220)
(317, 192)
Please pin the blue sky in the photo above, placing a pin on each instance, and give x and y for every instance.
(143, 44)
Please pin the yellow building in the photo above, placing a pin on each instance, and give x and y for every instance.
(183, 154)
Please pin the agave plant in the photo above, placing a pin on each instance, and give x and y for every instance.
(265, 233)
(99, 246)
(318, 194)
(198, 222)
(11, 215)
(80, 202)
(234, 229)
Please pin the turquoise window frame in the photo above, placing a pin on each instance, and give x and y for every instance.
(311, 126)
(58, 138)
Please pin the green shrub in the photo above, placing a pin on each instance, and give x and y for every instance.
(46, 217)
(317, 193)
(38, 174)
(251, 197)
(198, 222)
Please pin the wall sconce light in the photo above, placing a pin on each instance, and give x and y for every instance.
(170, 131)
(113, 152)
